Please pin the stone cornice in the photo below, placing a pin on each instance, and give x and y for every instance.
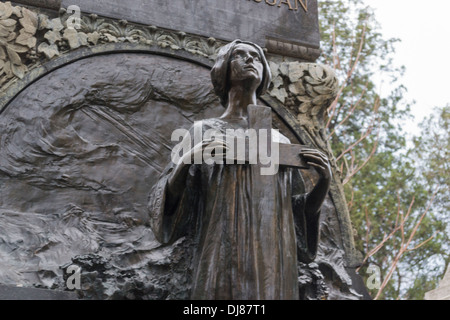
(290, 49)
(48, 4)
(29, 39)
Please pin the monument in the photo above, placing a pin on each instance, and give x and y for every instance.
(91, 93)
(243, 220)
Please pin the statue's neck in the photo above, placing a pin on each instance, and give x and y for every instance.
(239, 98)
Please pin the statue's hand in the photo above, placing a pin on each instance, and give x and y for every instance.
(319, 161)
(214, 148)
(207, 147)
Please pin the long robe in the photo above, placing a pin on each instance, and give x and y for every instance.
(248, 237)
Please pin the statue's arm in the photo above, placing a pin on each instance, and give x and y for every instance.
(165, 197)
(178, 173)
(176, 183)
(307, 206)
(316, 197)
(172, 196)
(306, 225)
(168, 203)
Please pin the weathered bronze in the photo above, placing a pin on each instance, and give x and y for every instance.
(249, 229)
(86, 116)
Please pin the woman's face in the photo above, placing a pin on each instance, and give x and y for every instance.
(246, 65)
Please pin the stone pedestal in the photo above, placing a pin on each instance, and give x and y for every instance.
(443, 291)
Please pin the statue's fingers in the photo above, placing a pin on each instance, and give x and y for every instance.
(312, 156)
(205, 142)
(316, 155)
(222, 142)
(318, 152)
(218, 143)
(316, 165)
(218, 147)
(201, 145)
(218, 151)
(310, 151)
(220, 154)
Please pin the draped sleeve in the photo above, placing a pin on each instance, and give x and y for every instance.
(306, 226)
(171, 220)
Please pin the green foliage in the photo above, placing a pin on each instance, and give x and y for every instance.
(391, 174)
(432, 152)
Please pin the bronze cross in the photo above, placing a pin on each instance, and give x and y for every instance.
(289, 154)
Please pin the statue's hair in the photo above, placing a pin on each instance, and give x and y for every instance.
(220, 71)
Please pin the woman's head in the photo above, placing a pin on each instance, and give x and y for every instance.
(221, 71)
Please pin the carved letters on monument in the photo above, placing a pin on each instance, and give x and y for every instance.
(297, 3)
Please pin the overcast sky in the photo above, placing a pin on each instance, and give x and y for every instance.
(424, 30)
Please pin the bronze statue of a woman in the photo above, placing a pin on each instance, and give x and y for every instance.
(247, 242)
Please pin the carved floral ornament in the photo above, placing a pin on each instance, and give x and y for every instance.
(306, 89)
(17, 29)
(28, 39)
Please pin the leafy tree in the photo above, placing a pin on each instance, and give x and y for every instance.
(431, 151)
(388, 203)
